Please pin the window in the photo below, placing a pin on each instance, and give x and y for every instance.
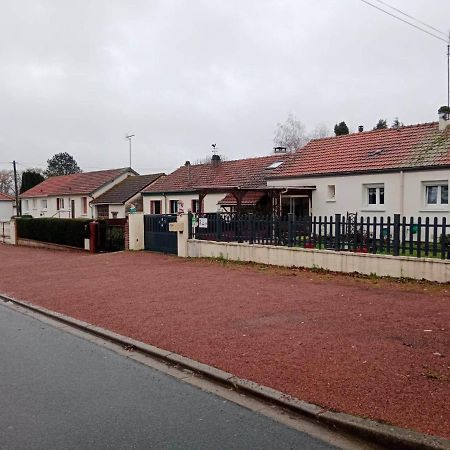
(374, 194)
(155, 206)
(84, 205)
(173, 206)
(114, 214)
(195, 206)
(59, 203)
(331, 192)
(44, 203)
(34, 203)
(102, 211)
(436, 194)
(26, 205)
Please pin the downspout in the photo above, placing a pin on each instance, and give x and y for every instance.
(165, 203)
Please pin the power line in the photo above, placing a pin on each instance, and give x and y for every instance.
(412, 17)
(405, 21)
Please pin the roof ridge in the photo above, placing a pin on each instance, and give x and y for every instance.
(381, 130)
(279, 155)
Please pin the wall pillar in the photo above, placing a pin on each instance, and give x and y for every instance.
(183, 235)
(13, 232)
(136, 231)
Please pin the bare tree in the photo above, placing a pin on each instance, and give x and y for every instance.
(7, 181)
(320, 131)
(291, 134)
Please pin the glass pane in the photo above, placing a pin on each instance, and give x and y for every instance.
(432, 195)
(381, 196)
(372, 196)
(444, 194)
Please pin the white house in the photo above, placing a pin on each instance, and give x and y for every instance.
(115, 202)
(6, 207)
(211, 187)
(69, 196)
(403, 171)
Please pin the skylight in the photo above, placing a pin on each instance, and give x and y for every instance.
(275, 165)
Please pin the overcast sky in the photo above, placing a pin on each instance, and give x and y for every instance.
(77, 76)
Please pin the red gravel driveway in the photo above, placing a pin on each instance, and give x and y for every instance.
(373, 348)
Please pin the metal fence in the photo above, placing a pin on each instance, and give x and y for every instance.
(379, 235)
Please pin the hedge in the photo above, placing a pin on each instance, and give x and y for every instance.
(70, 232)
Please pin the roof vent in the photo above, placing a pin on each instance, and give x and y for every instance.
(187, 163)
(279, 149)
(361, 128)
(444, 117)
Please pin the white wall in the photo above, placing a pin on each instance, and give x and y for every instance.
(209, 202)
(381, 265)
(120, 209)
(36, 210)
(6, 210)
(403, 193)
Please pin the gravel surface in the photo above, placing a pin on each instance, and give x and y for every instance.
(374, 348)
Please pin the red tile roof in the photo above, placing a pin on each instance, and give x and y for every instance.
(414, 146)
(250, 198)
(247, 173)
(6, 197)
(74, 184)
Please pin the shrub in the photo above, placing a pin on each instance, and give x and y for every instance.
(70, 232)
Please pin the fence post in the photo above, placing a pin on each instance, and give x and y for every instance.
(290, 226)
(190, 225)
(396, 242)
(337, 232)
(252, 228)
(93, 231)
(218, 227)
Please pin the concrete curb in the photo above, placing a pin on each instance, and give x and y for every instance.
(375, 432)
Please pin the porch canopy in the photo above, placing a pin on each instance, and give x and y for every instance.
(240, 196)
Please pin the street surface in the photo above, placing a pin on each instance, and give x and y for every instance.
(367, 347)
(59, 391)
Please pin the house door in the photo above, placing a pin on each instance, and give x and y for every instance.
(72, 209)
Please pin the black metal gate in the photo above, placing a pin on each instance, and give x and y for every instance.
(157, 236)
(111, 235)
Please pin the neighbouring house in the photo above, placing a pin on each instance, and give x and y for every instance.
(69, 196)
(403, 170)
(115, 202)
(216, 186)
(7, 207)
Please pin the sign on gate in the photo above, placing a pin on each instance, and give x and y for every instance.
(203, 222)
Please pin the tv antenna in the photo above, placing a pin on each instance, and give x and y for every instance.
(129, 137)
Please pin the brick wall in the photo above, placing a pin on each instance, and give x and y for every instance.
(127, 235)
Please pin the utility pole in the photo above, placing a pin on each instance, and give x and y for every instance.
(129, 137)
(18, 206)
(448, 71)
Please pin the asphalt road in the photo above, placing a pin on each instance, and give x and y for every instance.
(59, 391)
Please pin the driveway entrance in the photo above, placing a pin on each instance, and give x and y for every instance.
(157, 236)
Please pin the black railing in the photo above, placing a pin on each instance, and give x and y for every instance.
(398, 236)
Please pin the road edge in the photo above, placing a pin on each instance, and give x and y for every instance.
(370, 430)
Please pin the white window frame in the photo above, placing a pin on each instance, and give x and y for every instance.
(438, 206)
(84, 202)
(26, 205)
(377, 206)
(173, 202)
(59, 203)
(44, 204)
(331, 193)
(34, 203)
